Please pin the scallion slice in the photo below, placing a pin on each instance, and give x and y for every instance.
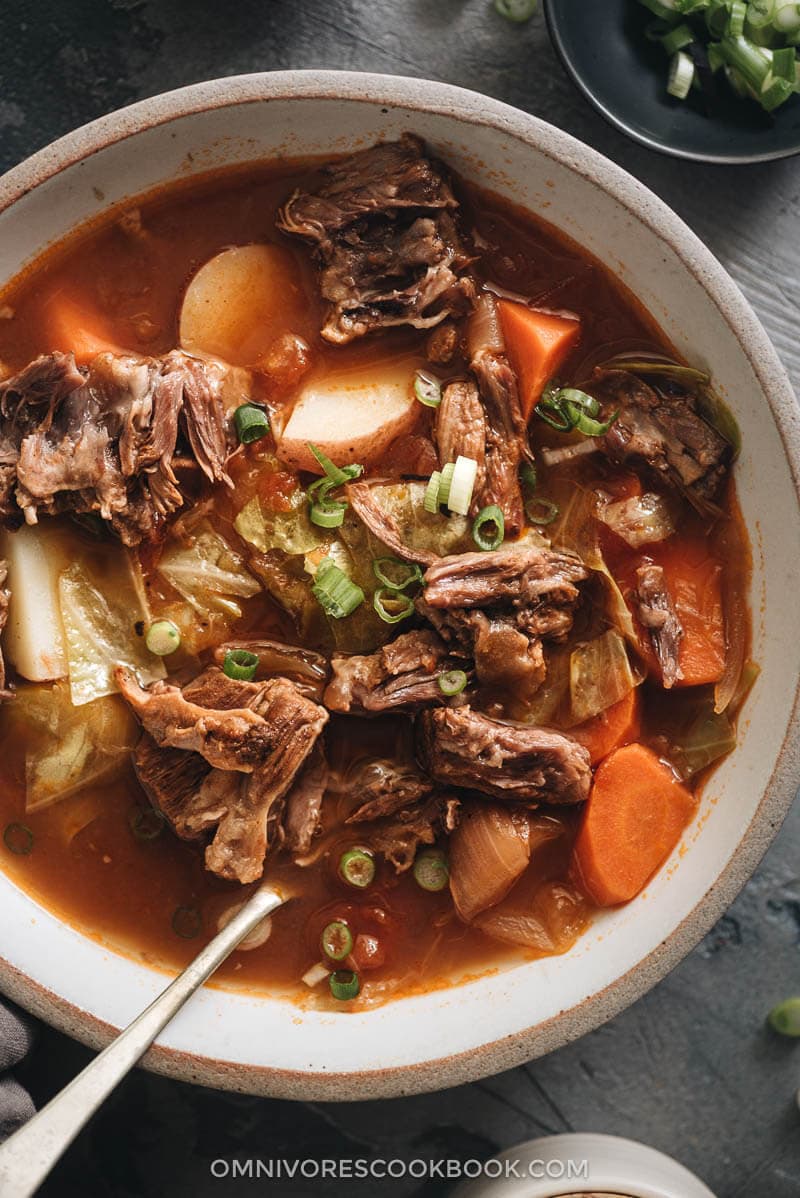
(251, 423)
(431, 871)
(240, 664)
(392, 605)
(785, 1018)
(18, 839)
(327, 513)
(338, 475)
(427, 389)
(430, 501)
(452, 682)
(517, 11)
(186, 922)
(344, 984)
(541, 511)
(787, 18)
(162, 638)
(337, 595)
(736, 18)
(760, 13)
(357, 868)
(462, 484)
(489, 528)
(336, 940)
(681, 75)
(448, 470)
(677, 38)
(409, 572)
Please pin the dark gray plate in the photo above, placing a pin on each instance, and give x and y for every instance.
(604, 49)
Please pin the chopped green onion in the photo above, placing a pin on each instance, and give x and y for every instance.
(550, 411)
(785, 1018)
(412, 572)
(717, 16)
(240, 665)
(337, 595)
(448, 470)
(327, 514)
(430, 501)
(528, 475)
(515, 10)
(357, 868)
(336, 940)
(163, 637)
(459, 496)
(146, 823)
(186, 922)
(251, 423)
(344, 984)
(760, 13)
(677, 38)
(784, 64)
(787, 18)
(338, 475)
(392, 606)
(431, 871)
(427, 389)
(567, 408)
(681, 75)
(736, 19)
(665, 9)
(452, 682)
(491, 515)
(748, 59)
(541, 511)
(18, 839)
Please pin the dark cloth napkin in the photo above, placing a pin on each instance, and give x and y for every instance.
(16, 1040)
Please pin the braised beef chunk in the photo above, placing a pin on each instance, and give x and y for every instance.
(402, 676)
(385, 237)
(105, 438)
(461, 428)
(399, 837)
(461, 747)
(384, 788)
(664, 431)
(657, 613)
(301, 820)
(497, 606)
(255, 739)
(5, 693)
(506, 435)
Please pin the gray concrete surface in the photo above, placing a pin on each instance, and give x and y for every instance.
(689, 1069)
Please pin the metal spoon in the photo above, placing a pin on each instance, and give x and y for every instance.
(28, 1156)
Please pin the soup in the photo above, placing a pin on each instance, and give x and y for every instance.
(364, 535)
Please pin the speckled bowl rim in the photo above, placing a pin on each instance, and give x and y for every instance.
(471, 108)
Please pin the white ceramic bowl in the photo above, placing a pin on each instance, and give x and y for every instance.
(264, 1045)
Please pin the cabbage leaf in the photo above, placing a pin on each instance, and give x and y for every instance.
(208, 573)
(600, 675)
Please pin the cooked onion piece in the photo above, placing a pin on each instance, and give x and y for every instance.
(488, 852)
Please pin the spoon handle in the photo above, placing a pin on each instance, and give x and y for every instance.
(28, 1156)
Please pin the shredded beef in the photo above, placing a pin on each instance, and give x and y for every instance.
(398, 837)
(402, 676)
(499, 605)
(384, 788)
(107, 438)
(657, 613)
(361, 497)
(461, 747)
(240, 744)
(301, 820)
(461, 429)
(382, 224)
(306, 669)
(663, 430)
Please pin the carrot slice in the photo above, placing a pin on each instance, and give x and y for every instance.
(537, 344)
(73, 328)
(694, 580)
(634, 817)
(617, 725)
